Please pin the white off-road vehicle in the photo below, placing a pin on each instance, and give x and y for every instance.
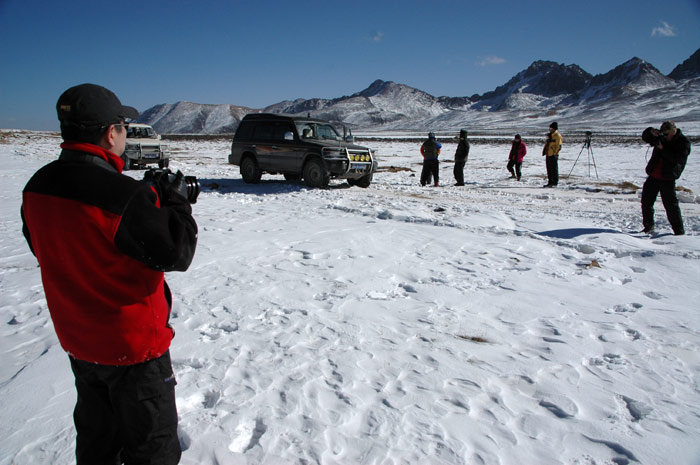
(144, 146)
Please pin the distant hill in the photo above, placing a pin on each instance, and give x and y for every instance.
(194, 118)
(634, 93)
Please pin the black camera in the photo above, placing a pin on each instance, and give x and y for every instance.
(166, 182)
(652, 136)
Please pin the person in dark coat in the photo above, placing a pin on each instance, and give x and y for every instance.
(461, 155)
(518, 149)
(431, 165)
(668, 159)
(103, 241)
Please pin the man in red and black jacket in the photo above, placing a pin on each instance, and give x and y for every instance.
(103, 241)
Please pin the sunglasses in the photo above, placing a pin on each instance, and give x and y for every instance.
(124, 125)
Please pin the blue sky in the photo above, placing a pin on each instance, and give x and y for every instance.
(256, 52)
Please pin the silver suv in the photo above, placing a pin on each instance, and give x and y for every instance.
(144, 146)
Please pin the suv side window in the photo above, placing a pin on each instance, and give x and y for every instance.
(264, 131)
(244, 131)
(269, 131)
(281, 129)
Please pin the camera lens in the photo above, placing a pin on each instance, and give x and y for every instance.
(192, 188)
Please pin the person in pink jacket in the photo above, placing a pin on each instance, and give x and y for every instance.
(515, 157)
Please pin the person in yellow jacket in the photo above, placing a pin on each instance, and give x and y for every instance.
(551, 150)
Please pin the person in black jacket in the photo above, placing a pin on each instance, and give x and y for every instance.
(103, 241)
(461, 155)
(431, 165)
(671, 150)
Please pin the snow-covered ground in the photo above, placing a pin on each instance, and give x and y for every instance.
(496, 323)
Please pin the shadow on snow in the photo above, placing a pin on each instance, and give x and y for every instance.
(264, 187)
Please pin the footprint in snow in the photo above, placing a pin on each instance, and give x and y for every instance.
(627, 308)
(210, 399)
(609, 361)
(653, 295)
(555, 409)
(635, 409)
(247, 435)
(408, 288)
(633, 334)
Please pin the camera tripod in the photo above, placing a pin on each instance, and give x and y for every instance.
(587, 146)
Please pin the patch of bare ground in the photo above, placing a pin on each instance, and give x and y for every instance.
(621, 185)
(392, 169)
(476, 339)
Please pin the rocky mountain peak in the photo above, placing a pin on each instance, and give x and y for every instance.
(392, 90)
(549, 79)
(544, 79)
(634, 72)
(689, 69)
(378, 87)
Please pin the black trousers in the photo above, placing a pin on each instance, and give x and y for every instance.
(459, 170)
(431, 168)
(511, 164)
(126, 414)
(552, 170)
(650, 191)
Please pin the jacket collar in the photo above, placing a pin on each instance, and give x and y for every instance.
(114, 160)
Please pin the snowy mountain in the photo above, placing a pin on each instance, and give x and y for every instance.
(381, 103)
(194, 118)
(538, 83)
(634, 93)
(689, 69)
(634, 77)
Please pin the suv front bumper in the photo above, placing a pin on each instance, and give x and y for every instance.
(349, 163)
(144, 153)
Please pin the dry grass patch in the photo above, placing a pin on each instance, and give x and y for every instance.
(476, 339)
(392, 169)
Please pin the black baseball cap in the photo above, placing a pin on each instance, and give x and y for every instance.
(92, 105)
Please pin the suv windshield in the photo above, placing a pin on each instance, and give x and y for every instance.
(309, 130)
(137, 132)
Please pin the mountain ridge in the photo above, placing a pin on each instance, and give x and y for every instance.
(543, 90)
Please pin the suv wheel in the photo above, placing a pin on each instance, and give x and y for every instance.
(250, 171)
(315, 173)
(163, 163)
(364, 181)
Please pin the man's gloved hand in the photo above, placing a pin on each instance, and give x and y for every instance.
(172, 188)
